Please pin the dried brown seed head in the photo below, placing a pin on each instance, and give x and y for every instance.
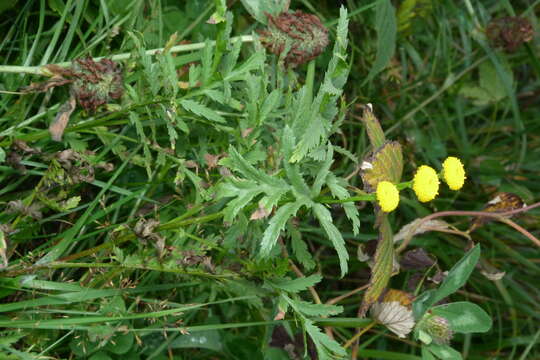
(509, 32)
(304, 33)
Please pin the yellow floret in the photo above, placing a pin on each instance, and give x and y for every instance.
(387, 196)
(453, 173)
(426, 183)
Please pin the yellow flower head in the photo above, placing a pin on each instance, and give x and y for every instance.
(387, 196)
(426, 183)
(453, 173)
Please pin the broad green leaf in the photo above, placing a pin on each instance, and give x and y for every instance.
(464, 317)
(201, 110)
(325, 219)
(121, 343)
(373, 128)
(382, 269)
(209, 339)
(443, 352)
(296, 285)
(386, 164)
(456, 278)
(258, 9)
(100, 355)
(386, 27)
(276, 224)
(426, 354)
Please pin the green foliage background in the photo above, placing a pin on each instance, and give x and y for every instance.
(215, 174)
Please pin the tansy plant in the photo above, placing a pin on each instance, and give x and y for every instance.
(433, 325)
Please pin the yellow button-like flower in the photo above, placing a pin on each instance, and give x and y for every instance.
(426, 183)
(453, 173)
(387, 196)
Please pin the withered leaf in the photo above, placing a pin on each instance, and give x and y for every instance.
(493, 276)
(145, 228)
(24, 147)
(502, 202)
(211, 160)
(419, 226)
(260, 213)
(62, 118)
(416, 259)
(46, 85)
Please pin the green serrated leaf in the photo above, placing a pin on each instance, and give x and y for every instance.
(314, 125)
(386, 27)
(456, 278)
(276, 224)
(296, 285)
(382, 269)
(254, 62)
(317, 310)
(464, 317)
(386, 165)
(270, 103)
(327, 348)
(323, 171)
(325, 219)
(244, 191)
(250, 172)
(341, 192)
(202, 110)
(300, 249)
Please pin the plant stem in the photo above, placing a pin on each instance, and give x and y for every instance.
(501, 216)
(358, 334)
(41, 70)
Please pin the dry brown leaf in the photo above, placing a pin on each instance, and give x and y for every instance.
(211, 160)
(260, 213)
(419, 226)
(62, 118)
(502, 202)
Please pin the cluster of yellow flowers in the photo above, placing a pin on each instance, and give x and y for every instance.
(425, 184)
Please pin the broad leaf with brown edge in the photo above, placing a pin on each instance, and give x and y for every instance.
(381, 271)
(373, 127)
(386, 164)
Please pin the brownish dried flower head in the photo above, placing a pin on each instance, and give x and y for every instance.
(96, 83)
(304, 33)
(509, 32)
